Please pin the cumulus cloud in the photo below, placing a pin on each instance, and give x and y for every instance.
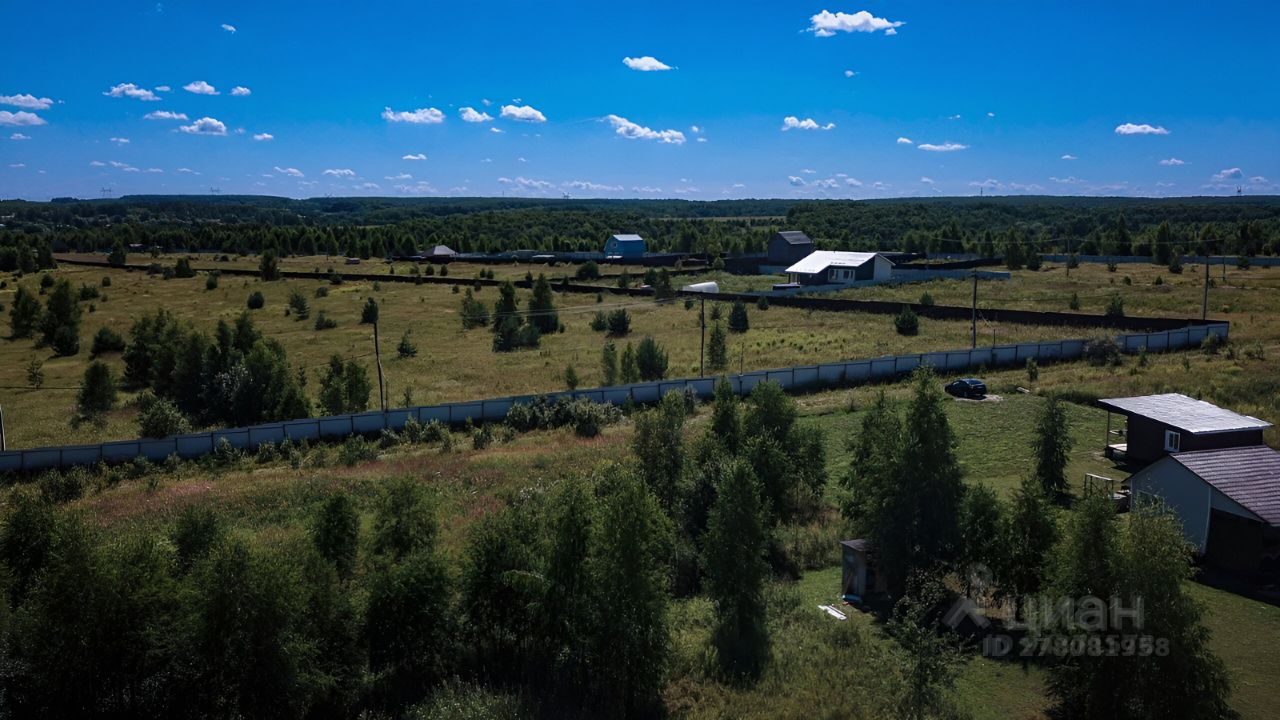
(186, 171)
(97, 163)
(826, 24)
(205, 126)
(366, 186)
(634, 131)
(646, 189)
(944, 147)
(17, 165)
(791, 122)
(130, 90)
(421, 116)
(120, 140)
(26, 101)
(165, 115)
(240, 91)
(471, 115)
(523, 113)
(19, 136)
(200, 87)
(905, 141)
(340, 172)
(229, 28)
(524, 183)
(588, 186)
(416, 156)
(1172, 162)
(1069, 156)
(20, 119)
(163, 88)
(849, 73)
(291, 172)
(1229, 174)
(263, 137)
(647, 63)
(1143, 129)
(496, 130)
(401, 176)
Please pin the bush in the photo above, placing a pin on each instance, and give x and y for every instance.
(1111, 267)
(1115, 306)
(299, 305)
(738, 320)
(570, 378)
(1033, 370)
(619, 322)
(1243, 262)
(588, 271)
(481, 437)
(1158, 281)
(106, 281)
(762, 304)
(585, 416)
(159, 418)
(926, 299)
(324, 322)
(651, 360)
(406, 348)
(97, 390)
(1175, 262)
(105, 341)
(1212, 343)
(322, 291)
(474, 313)
(211, 280)
(89, 292)
(183, 269)
(1074, 302)
(1102, 351)
(356, 450)
(907, 322)
(256, 300)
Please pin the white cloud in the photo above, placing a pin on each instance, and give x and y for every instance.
(120, 165)
(17, 165)
(647, 63)
(1259, 179)
(163, 88)
(421, 116)
(853, 182)
(1069, 156)
(905, 141)
(586, 185)
(471, 115)
(849, 73)
(340, 172)
(200, 87)
(1069, 180)
(229, 28)
(401, 176)
(120, 140)
(263, 137)
(422, 186)
(205, 126)
(496, 130)
(523, 113)
(291, 172)
(131, 91)
(926, 180)
(21, 118)
(791, 122)
(154, 170)
(366, 186)
(26, 101)
(1143, 129)
(826, 24)
(1229, 174)
(953, 117)
(97, 163)
(646, 189)
(186, 171)
(164, 115)
(702, 140)
(1172, 162)
(418, 156)
(809, 171)
(628, 129)
(525, 183)
(944, 147)
(991, 114)
(19, 136)
(240, 91)
(695, 129)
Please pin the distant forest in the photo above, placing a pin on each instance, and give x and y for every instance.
(376, 227)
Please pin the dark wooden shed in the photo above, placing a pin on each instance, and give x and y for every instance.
(1158, 425)
(788, 247)
(859, 579)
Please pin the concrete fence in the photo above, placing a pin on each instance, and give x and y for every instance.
(798, 378)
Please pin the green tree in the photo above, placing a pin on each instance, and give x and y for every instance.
(1162, 248)
(542, 309)
(60, 323)
(299, 305)
(662, 289)
(651, 360)
(570, 377)
(982, 534)
(269, 266)
(506, 306)
(35, 373)
(474, 312)
(24, 313)
(928, 662)
(406, 348)
(609, 364)
(618, 322)
(628, 369)
(1030, 531)
(1051, 446)
(97, 390)
(628, 577)
(369, 313)
(335, 532)
(344, 387)
(738, 320)
(658, 444)
(160, 417)
(500, 593)
(717, 350)
(117, 256)
(734, 548)
(566, 615)
(404, 520)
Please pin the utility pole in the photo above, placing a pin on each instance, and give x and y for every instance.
(702, 344)
(3, 447)
(377, 353)
(1068, 256)
(1204, 304)
(973, 343)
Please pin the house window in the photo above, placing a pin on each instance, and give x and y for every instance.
(1172, 441)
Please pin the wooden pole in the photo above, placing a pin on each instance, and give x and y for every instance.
(702, 344)
(973, 342)
(377, 353)
(1204, 303)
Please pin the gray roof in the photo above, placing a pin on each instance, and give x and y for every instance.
(819, 260)
(628, 238)
(1185, 413)
(795, 237)
(440, 250)
(1248, 475)
(861, 544)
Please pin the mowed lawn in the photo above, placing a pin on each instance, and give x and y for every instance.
(451, 364)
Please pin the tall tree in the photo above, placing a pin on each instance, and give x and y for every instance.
(1030, 530)
(717, 349)
(542, 308)
(1051, 445)
(24, 313)
(658, 444)
(734, 548)
(60, 323)
(609, 364)
(336, 532)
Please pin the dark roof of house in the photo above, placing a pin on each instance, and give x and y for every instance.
(628, 238)
(1248, 475)
(795, 237)
(861, 544)
(1185, 413)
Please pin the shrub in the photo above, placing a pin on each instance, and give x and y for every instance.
(35, 373)
(89, 292)
(256, 300)
(1175, 262)
(406, 348)
(1158, 281)
(1212, 343)
(474, 313)
(299, 305)
(62, 487)
(762, 303)
(1111, 267)
(588, 271)
(585, 416)
(106, 281)
(1033, 370)
(651, 360)
(598, 322)
(322, 291)
(97, 391)
(159, 417)
(324, 322)
(183, 269)
(356, 450)
(738, 320)
(926, 299)
(1074, 302)
(481, 437)
(1102, 351)
(1243, 262)
(1115, 306)
(907, 322)
(211, 280)
(105, 341)
(570, 378)
(619, 322)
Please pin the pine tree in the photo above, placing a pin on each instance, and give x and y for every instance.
(24, 313)
(1030, 531)
(717, 350)
(97, 391)
(1051, 446)
(269, 266)
(60, 323)
(734, 548)
(738, 320)
(336, 532)
(406, 348)
(609, 364)
(542, 309)
(651, 360)
(369, 313)
(629, 370)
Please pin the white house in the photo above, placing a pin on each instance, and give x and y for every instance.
(830, 267)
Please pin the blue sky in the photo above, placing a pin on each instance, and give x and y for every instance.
(762, 99)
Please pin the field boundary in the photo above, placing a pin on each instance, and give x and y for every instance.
(796, 378)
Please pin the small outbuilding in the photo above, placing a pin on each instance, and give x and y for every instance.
(624, 246)
(438, 252)
(830, 267)
(1227, 500)
(1157, 425)
(859, 579)
(702, 287)
(788, 247)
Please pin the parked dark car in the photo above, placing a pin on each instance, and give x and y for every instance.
(967, 388)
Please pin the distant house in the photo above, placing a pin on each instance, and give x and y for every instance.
(858, 578)
(624, 246)
(789, 246)
(828, 267)
(1228, 502)
(1157, 425)
(438, 252)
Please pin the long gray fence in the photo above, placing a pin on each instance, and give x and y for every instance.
(798, 378)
